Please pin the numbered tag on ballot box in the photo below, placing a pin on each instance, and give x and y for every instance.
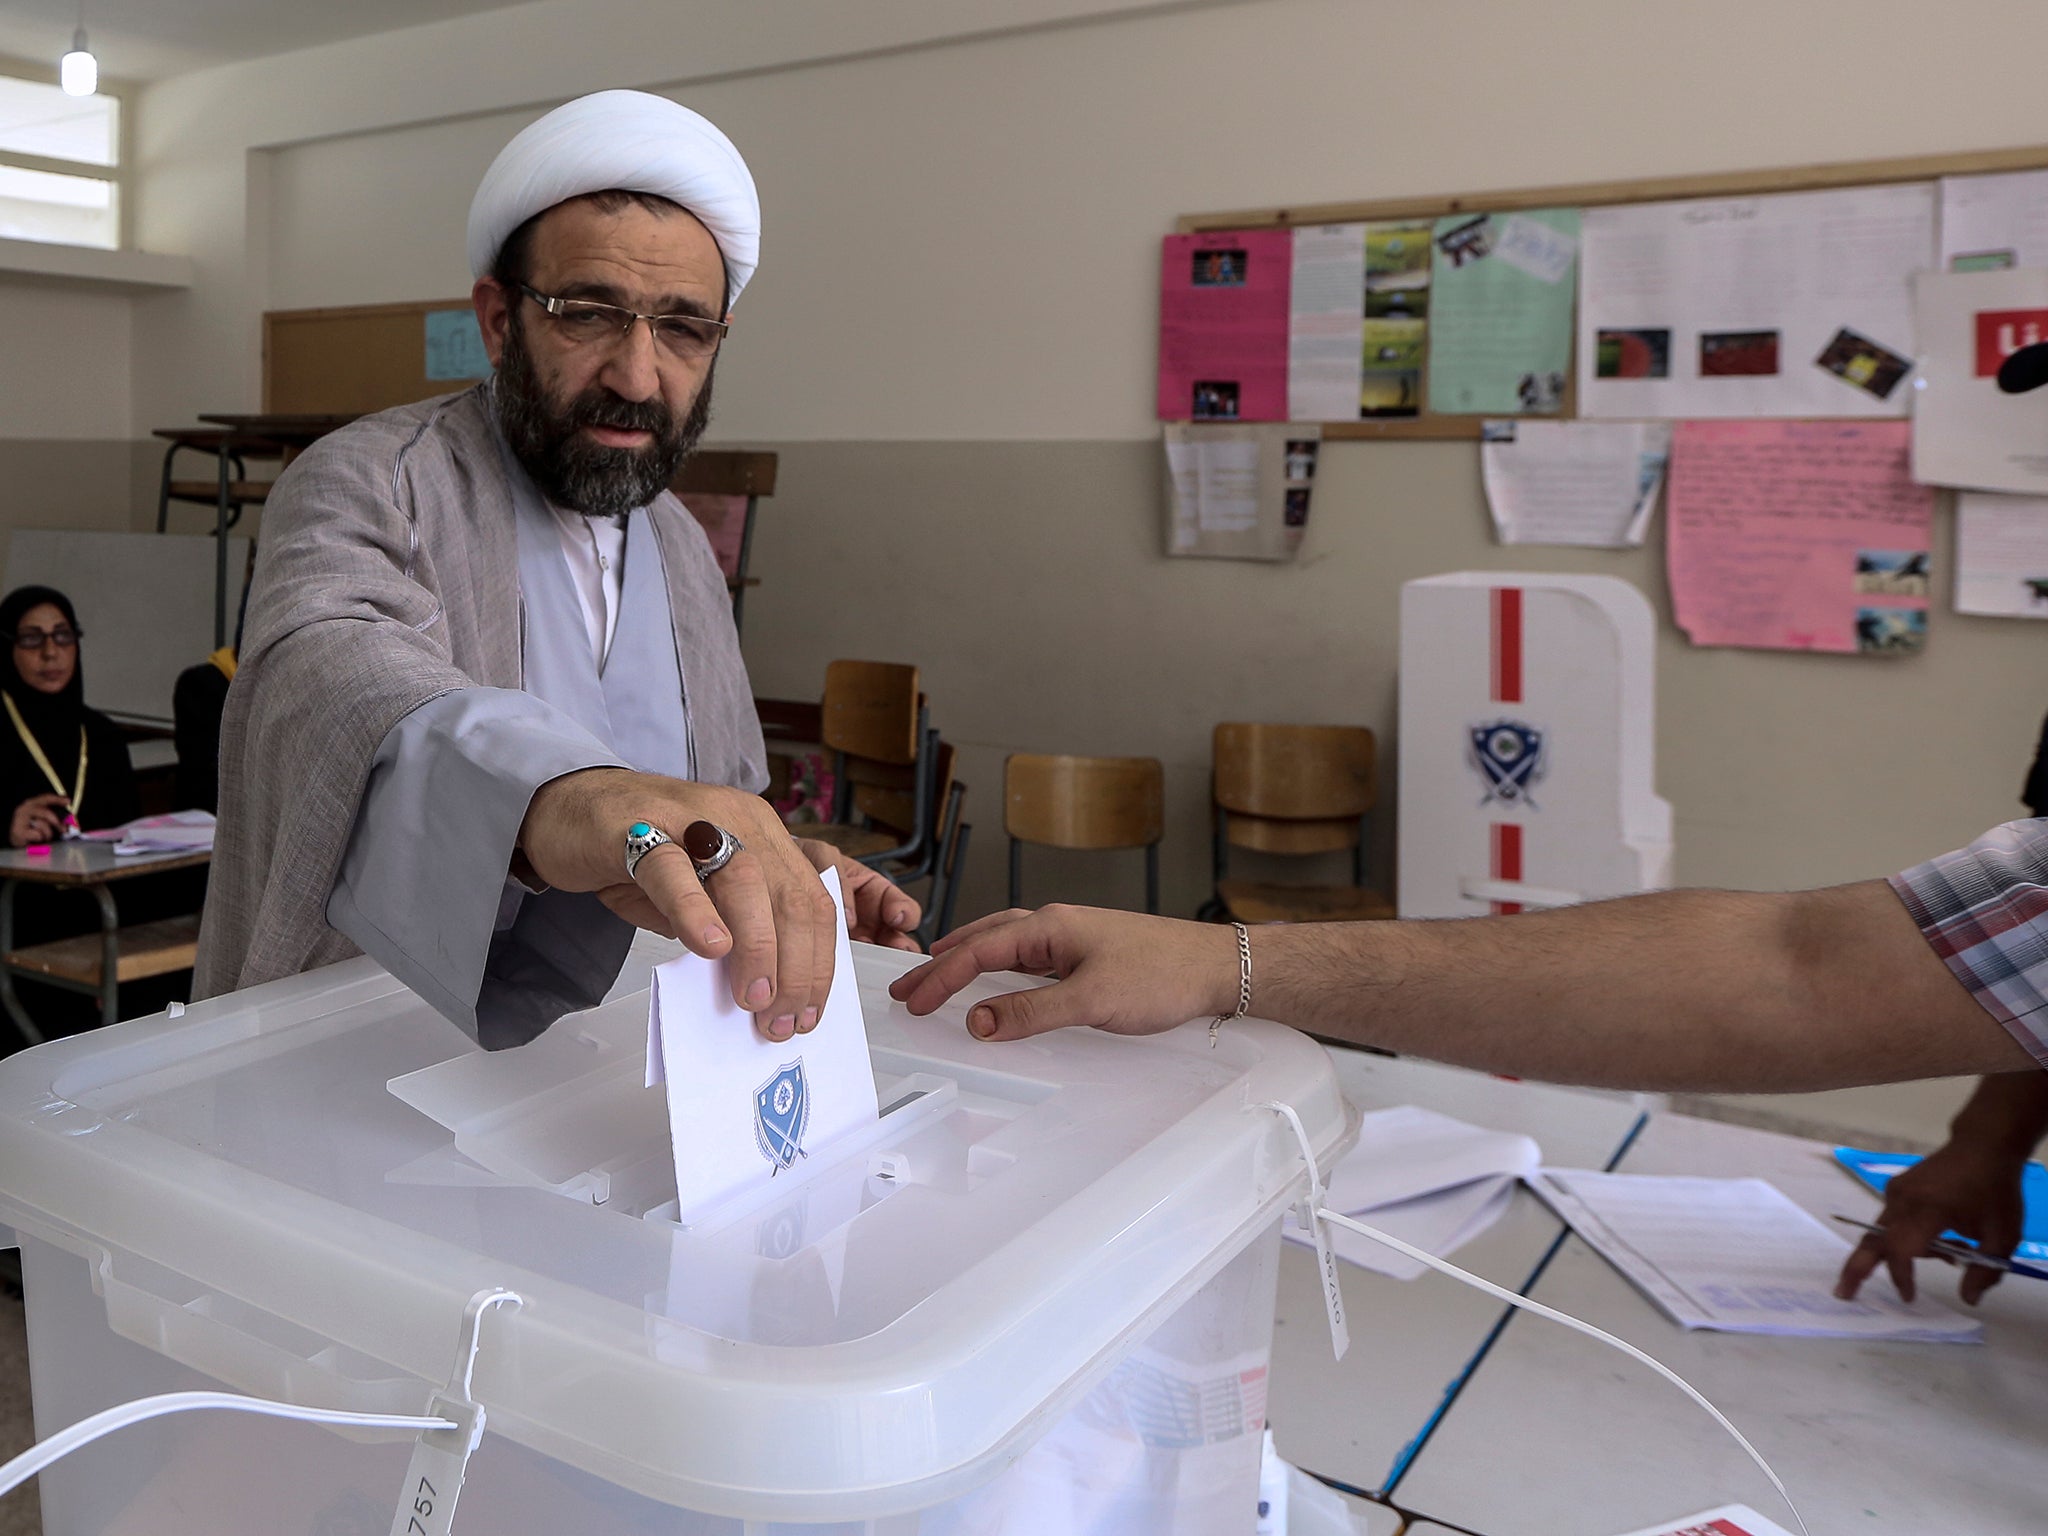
(426, 1500)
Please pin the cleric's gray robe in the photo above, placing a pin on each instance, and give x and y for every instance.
(380, 743)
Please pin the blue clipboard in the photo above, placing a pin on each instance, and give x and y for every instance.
(1874, 1170)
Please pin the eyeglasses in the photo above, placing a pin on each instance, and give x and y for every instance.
(584, 322)
(36, 639)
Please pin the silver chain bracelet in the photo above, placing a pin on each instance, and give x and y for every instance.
(1244, 984)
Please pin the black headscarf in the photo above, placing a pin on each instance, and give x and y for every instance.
(54, 718)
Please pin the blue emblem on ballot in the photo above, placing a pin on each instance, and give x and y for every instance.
(1509, 757)
(782, 1110)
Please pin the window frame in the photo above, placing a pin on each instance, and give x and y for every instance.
(119, 174)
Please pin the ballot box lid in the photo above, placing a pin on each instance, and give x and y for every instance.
(883, 1336)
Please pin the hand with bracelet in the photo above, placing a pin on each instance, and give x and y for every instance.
(752, 895)
(1122, 972)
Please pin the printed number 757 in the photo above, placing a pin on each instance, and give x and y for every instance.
(422, 1506)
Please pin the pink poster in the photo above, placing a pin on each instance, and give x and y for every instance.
(1223, 325)
(1799, 535)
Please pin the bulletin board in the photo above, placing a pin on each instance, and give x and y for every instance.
(363, 358)
(1429, 424)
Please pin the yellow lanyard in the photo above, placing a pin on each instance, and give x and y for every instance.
(35, 750)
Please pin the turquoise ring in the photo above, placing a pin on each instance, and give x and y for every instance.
(642, 838)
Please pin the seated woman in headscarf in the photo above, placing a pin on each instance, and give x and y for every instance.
(63, 767)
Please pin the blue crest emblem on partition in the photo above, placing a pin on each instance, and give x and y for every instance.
(782, 1111)
(1509, 757)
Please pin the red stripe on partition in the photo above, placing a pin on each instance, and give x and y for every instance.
(1507, 645)
(1507, 861)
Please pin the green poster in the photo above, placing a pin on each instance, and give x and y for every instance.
(1500, 312)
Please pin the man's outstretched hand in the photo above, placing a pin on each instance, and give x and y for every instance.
(1123, 972)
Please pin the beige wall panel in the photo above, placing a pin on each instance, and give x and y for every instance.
(64, 362)
(1026, 580)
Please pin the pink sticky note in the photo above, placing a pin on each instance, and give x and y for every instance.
(1223, 325)
(1799, 535)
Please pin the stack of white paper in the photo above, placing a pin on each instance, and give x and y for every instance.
(177, 832)
(1427, 1179)
(1737, 1256)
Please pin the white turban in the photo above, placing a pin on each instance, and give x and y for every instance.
(631, 141)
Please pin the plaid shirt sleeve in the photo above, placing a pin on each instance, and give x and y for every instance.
(1984, 908)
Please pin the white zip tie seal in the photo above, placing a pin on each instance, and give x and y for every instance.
(426, 1499)
(1500, 1293)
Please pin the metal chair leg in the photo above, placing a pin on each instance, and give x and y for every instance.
(16, 1013)
(110, 956)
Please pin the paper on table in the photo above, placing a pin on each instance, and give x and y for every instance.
(1736, 1256)
(1737, 306)
(1989, 223)
(1728, 1520)
(1573, 482)
(742, 1107)
(1223, 325)
(1426, 1178)
(1798, 535)
(2002, 555)
(1966, 431)
(173, 832)
(1500, 312)
(1325, 323)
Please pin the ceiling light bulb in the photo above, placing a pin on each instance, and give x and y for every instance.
(79, 71)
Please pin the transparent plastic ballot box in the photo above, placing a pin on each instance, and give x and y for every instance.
(1036, 1297)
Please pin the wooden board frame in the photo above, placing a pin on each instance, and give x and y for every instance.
(1598, 194)
(350, 361)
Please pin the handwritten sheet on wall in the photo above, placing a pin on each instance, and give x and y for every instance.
(1500, 311)
(2002, 555)
(1223, 313)
(1573, 482)
(1798, 535)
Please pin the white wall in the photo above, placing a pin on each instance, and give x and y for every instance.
(960, 236)
(66, 373)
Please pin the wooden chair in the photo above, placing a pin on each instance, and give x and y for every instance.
(945, 839)
(874, 721)
(1294, 790)
(1084, 802)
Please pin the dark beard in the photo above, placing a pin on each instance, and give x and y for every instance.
(571, 470)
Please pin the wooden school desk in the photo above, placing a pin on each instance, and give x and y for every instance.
(95, 964)
(1560, 1436)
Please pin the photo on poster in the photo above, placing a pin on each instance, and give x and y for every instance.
(1216, 400)
(1295, 513)
(1301, 460)
(1392, 383)
(1396, 256)
(1892, 572)
(1220, 268)
(1864, 363)
(1637, 354)
(1891, 631)
(1738, 354)
(1541, 394)
(1983, 261)
(1467, 242)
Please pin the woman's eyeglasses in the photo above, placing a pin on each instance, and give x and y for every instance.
(36, 639)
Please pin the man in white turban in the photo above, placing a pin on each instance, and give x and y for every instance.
(490, 712)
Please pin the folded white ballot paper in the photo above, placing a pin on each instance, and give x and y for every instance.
(742, 1109)
(1737, 1256)
(1426, 1178)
